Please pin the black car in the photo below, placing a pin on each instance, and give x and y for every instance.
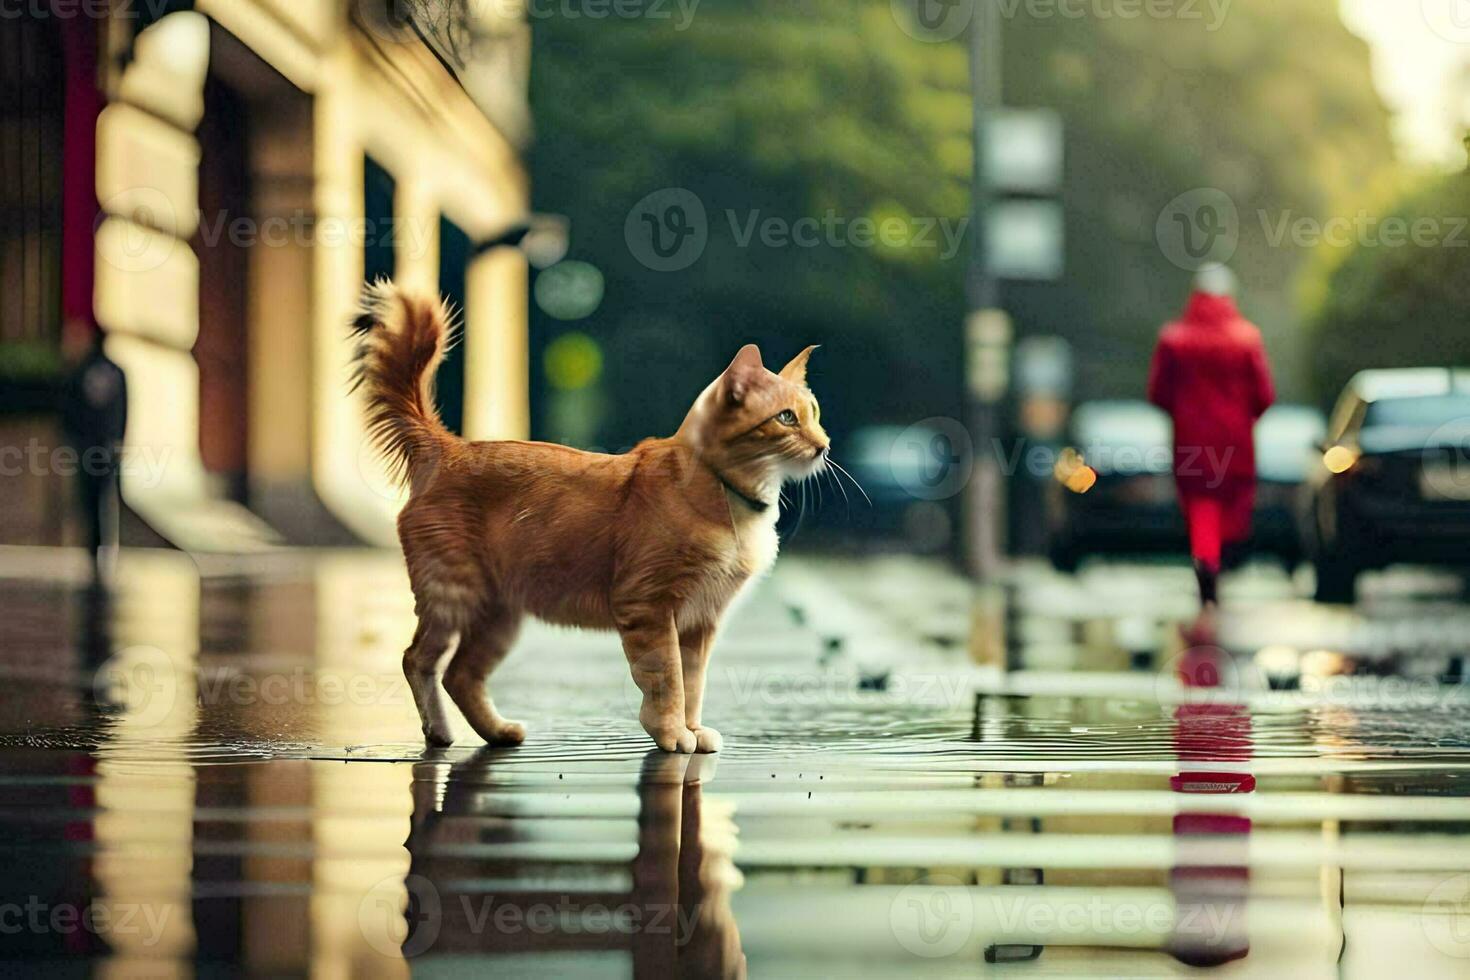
(1287, 437)
(907, 474)
(1127, 504)
(1392, 483)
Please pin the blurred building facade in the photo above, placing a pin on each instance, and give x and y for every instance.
(208, 183)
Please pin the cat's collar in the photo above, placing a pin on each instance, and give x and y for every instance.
(755, 504)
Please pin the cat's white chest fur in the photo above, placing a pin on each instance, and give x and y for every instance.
(752, 553)
(756, 542)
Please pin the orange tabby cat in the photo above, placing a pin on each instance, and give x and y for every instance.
(654, 543)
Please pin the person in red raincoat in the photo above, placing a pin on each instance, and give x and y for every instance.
(1211, 375)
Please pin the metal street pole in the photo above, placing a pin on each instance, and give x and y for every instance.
(987, 358)
(987, 328)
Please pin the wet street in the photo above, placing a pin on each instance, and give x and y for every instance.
(220, 770)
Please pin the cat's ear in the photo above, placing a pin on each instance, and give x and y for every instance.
(742, 374)
(795, 372)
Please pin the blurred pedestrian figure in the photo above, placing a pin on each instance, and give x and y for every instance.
(94, 413)
(1210, 374)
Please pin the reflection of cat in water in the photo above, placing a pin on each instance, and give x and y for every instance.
(684, 863)
(676, 919)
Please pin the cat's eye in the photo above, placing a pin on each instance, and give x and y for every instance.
(788, 417)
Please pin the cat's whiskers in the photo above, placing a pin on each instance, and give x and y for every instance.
(801, 508)
(841, 469)
(838, 483)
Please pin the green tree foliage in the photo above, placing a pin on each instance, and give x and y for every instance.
(799, 108)
(764, 109)
(1275, 107)
(1397, 302)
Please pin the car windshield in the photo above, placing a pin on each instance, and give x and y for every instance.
(1123, 424)
(1123, 437)
(1426, 412)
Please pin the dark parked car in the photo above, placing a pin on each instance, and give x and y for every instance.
(1132, 507)
(1287, 441)
(1392, 482)
(907, 475)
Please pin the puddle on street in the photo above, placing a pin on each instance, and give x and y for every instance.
(229, 778)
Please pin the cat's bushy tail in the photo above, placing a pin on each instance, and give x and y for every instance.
(402, 336)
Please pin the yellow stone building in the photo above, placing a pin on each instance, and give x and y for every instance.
(255, 161)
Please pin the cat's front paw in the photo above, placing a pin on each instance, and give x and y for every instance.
(707, 740)
(666, 728)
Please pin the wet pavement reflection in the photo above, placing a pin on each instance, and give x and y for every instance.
(218, 769)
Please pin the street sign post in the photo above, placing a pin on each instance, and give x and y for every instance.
(1020, 236)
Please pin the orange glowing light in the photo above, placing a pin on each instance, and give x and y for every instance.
(1339, 459)
(1082, 479)
(1073, 473)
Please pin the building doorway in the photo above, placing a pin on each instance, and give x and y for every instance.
(226, 223)
(257, 179)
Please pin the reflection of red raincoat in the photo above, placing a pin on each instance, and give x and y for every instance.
(1210, 374)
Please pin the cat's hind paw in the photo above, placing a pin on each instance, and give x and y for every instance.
(438, 736)
(707, 740)
(506, 733)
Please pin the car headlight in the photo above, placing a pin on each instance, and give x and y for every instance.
(1340, 459)
(1072, 471)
